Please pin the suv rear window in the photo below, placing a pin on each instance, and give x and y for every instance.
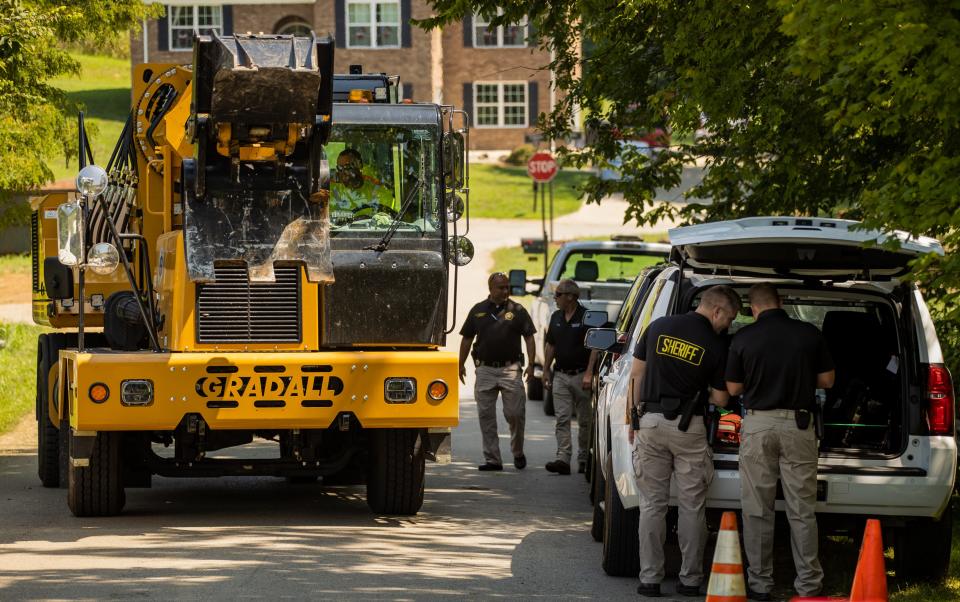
(613, 266)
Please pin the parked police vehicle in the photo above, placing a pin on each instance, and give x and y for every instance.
(887, 432)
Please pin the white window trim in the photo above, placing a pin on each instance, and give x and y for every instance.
(195, 7)
(501, 104)
(372, 25)
(479, 20)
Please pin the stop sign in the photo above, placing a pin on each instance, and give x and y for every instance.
(542, 167)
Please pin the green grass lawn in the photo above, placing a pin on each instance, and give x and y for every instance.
(103, 88)
(14, 264)
(18, 365)
(507, 192)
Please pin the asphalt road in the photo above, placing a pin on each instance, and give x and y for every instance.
(515, 534)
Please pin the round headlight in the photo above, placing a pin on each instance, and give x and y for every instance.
(103, 258)
(92, 180)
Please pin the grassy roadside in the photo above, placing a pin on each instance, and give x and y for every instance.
(103, 88)
(18, 364)
(507, 192)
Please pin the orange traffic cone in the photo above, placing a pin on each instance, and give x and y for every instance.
(726, 577)
(870, 580)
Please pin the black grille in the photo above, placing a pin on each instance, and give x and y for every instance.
(35, 250)
(234, 310)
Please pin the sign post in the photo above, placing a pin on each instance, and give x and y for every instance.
(542, 168)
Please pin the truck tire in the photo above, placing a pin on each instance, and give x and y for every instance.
(921, 549)
(48, 435)
(97, 489)
(396, 473)
(621, 545)
(597, 491)
(548, 403)
(535, 389)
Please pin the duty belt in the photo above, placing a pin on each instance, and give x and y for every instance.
(655, 408)
(570, 371)
(495, 364)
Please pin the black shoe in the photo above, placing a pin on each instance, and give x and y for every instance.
(650, 590)
(520, 462)
(582, 468)
(490, 466)
(688, 590)
(762, 596)
(559, 467)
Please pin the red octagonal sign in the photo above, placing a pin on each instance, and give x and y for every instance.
(542, 167)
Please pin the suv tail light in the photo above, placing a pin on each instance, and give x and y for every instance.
(621, 338)
(940, 412)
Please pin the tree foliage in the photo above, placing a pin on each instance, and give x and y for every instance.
(37, 122)
(810, 107)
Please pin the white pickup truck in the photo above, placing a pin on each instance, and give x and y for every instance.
(603, 269)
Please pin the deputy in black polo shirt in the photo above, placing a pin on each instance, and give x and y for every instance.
(677, 358)
(777, 363)
(498, 324)
(570, 378)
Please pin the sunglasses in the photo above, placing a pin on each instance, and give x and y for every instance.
(558, 295)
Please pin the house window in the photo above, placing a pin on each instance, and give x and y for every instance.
(501, 36)
(373, 24)
(500, 104)
(185, 21)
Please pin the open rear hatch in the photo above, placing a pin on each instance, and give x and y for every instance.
(797, 247)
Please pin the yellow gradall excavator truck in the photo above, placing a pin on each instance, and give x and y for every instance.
(266, 257)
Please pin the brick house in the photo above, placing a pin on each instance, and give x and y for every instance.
(493, 73)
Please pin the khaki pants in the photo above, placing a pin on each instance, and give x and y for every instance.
(661, 450)
(773, 447)
(508, 382)
(568, 393)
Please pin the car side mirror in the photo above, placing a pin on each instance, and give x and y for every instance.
(518, 282)
(603, 339)
(595, 318)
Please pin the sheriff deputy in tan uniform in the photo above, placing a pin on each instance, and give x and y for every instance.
(676, 358)
(777, 363)
(570, 379)
(498, 324)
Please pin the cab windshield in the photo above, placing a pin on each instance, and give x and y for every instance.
(379, 174)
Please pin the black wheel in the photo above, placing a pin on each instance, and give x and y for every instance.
(396, 473)
(97, 489)
(621, 546)
(302, 479)
(548, 403)
(535, 389)
(597, 492)
(921, 548)
(48, 437)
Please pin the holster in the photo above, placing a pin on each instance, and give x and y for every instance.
(818, 422)
(803, 419)
(635, 414)
(671, 407)
(687, 415)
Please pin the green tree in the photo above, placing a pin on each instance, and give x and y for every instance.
(37, 122)
(811, 107)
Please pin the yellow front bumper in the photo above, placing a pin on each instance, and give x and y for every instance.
(259, 390)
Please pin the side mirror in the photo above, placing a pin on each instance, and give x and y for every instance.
(603, 339)
(455, 207)
(69, 225)
(595, 318)
(459, 250)
(518, 282)
(453, 148)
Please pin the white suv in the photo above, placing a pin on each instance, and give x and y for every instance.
(888, 448)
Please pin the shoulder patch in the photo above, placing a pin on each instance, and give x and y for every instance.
(479, 314)
(678, 348)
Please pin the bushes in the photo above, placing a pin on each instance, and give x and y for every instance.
(520, 155)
